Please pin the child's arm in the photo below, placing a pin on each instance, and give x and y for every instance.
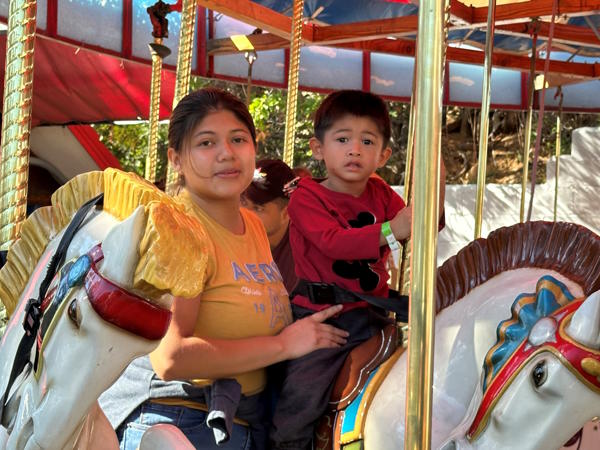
(401, 223)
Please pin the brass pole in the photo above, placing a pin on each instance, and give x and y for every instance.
(184, 70)
(528, 124)
(16, 118)
(151, 156)
(484, 118)
(292, 93)
(557, 150)
(408, 173)
(424, 225)
(250, 57)
(404, 270)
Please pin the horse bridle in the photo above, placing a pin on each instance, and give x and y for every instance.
(33, 310)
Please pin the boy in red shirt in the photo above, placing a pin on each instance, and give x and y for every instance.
(341, 232)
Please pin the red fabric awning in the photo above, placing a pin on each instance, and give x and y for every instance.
(77, 85)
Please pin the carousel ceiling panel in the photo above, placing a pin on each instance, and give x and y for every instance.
(75, 85)
(82, 21)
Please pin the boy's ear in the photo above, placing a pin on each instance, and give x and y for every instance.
(385, 155)
(174, 158)
(316, 147)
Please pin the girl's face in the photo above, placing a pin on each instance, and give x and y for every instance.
(218, 160)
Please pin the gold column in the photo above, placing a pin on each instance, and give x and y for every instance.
(184, 69)
(292, 94)
(424, 225)
(484, 117)
(16, 118)
(403, 273)
(150, 172)
(404, 270)
(528, 125)
(557, 150)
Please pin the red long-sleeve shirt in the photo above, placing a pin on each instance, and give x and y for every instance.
(320, 234)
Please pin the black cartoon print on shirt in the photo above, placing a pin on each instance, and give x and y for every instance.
(359, 269)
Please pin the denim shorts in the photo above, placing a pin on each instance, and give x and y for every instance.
(192, 422)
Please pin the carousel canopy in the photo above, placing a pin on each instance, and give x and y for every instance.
(93, 63)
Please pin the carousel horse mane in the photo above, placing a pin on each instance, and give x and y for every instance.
(170, 251)
(567, 248)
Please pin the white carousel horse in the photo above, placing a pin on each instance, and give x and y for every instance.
(540, 383)
(108, 304)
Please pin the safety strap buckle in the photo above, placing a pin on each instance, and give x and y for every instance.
(321, 293)
(33, 315)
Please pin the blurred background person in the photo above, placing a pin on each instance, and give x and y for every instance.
(268, 197)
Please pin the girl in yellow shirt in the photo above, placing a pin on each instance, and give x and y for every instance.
(218, 344)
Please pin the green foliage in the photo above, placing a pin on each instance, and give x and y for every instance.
(268, 110)
(129, 143)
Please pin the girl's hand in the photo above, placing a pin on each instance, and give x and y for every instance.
(310, 333)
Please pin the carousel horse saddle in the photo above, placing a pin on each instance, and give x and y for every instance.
(359, 364)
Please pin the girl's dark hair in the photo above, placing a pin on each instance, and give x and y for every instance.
(355, 103)
(195, 106)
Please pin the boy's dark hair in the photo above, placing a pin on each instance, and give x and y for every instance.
(195, 106)
(356, 103)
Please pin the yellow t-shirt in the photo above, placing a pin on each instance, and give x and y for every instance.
(243, 294)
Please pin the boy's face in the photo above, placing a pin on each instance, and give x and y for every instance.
(352, 149)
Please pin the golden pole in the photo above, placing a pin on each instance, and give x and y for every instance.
(16, 118)
(404, 271)
(484, 116)
(408, 173)
(528, 124)
(292, 94)
(250, 56)
(557, 150)
(150, 173)
(424, 225)
(184, 70)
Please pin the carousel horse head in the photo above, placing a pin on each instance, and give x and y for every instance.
(86, 298)
(530, 381)
(541, 379)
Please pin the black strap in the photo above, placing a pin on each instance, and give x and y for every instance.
(330, 294)
(33, 312)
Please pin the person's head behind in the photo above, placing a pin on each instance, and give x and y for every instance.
(268, 198)
(352, 133)
(212, 143)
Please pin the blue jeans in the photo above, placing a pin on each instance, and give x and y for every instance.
(192, 422)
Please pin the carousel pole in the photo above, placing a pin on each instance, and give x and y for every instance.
(404, 271)
(292, 94)
(16, 118)
(184, 70)
(559, 93)
(528, 122)
(250, 57)
(484, 117)
(408, 173)
(424, 225)
(158, 52)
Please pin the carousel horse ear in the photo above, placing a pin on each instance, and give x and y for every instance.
(120, 248)
(585, 323)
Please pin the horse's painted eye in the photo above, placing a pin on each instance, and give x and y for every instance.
(539, 373)
(73, 312)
